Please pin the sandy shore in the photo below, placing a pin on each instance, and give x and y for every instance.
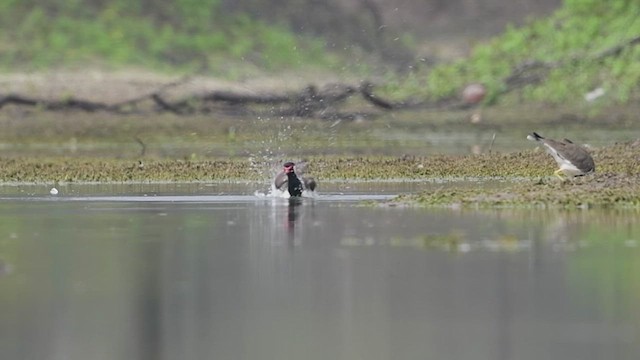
(121, 85)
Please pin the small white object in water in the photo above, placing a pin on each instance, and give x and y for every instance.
(53, 191)
(464, 247)
(594, 94)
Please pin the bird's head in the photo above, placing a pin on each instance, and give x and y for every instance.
(288, 167)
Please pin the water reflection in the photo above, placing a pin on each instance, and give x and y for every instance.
(293, 214)
(281, 279)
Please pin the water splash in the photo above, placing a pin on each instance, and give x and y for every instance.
(276, 193)
(267, 162)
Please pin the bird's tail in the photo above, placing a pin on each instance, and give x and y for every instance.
(534, 136)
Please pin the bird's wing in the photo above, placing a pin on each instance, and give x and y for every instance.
(579, 157)
(309, 183)
(280, 180)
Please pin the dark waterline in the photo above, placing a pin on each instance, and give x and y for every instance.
(94, 276)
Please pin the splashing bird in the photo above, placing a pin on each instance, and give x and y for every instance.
(572, 159)
(295, 185)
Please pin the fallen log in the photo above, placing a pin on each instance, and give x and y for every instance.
(236, 98)
(69, 103)
(17, 100)
(309, 102)
(367, 93)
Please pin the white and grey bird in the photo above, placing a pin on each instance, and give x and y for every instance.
(572, 159)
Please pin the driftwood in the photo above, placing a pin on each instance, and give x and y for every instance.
(308, 102)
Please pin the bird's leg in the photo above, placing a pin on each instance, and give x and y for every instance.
(558, 173)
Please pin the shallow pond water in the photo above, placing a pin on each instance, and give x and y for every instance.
(420, 133)
(203, 271)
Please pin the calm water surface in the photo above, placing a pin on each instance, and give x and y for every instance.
(216, 272)
(419, 133)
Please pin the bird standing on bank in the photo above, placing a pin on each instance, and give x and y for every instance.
(295, 185)
(572, 159)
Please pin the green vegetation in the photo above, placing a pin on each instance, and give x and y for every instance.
(585, 45)
(572, 50)
(167, 34)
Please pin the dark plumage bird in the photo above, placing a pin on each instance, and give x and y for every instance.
(295, 185)
(572, 159)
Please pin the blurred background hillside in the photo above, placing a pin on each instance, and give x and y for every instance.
(428, 48)
(206, 34)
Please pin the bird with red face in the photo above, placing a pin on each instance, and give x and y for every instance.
(295, 185)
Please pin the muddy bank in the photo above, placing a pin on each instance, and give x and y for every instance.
(317, 95)
(530, 174)
(615, 184)
(600, 190)
(76, 147)
(117, 86)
